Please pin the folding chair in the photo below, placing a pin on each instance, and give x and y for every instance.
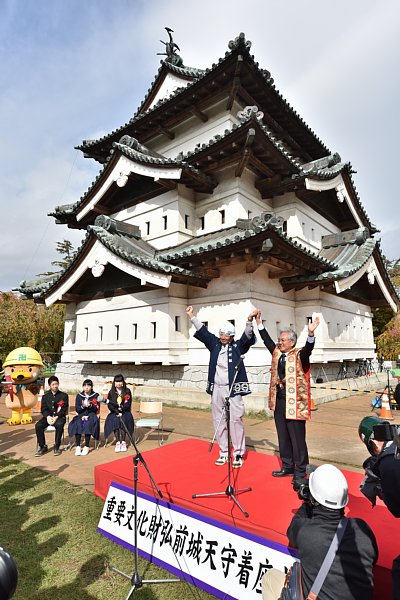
(155, 408)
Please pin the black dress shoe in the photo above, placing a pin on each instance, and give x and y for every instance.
(283, 473)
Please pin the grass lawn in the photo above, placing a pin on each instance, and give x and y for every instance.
(50, 528)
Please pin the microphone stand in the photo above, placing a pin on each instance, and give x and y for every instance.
(230, 491)
(136, 580)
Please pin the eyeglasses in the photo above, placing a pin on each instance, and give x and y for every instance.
(280, 340)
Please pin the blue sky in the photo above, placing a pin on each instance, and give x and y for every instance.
(73, 70)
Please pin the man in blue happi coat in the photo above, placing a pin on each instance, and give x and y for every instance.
(225, 364)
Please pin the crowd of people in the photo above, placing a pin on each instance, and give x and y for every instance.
(344, 572)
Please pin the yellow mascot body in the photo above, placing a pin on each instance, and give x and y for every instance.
(22, 369)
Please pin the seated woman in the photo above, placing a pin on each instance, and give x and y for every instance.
(119, 402)
(86, 422)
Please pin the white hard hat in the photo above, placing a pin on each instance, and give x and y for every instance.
(329, 487)
(227, 328)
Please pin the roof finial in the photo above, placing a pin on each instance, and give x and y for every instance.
(170, 50)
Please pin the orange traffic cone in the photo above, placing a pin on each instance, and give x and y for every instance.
(312, 404)
(38, 407)
(386, 413)
(104, 393)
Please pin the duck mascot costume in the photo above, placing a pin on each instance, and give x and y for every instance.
(22, 369)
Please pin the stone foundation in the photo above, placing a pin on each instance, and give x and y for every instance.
(184, 385)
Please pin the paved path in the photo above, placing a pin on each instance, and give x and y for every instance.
(332, 437)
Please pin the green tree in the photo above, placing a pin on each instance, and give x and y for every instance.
(25, 323)
(387, 324)
(388, 343)
(67, 251)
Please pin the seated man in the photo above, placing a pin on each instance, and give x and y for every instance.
(312, 530)
(54, 410)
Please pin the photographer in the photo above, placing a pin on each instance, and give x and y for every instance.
(312, 530)
(383, 473)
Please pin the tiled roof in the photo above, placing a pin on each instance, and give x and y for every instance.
(130, 251)
(240, 44)
(273, 138)
(234, 235)
(334, 262)
(190, 72)
(36, 286)
(345, 259)
(137, 156)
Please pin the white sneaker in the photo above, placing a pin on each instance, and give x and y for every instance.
(118, 447)
(78, 451)
(238, 462)
(222, 460)
(123, 447)
(85, 451)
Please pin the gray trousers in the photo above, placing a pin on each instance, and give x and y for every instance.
(219, 394)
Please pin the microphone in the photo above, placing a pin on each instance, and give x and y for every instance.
(240, 361)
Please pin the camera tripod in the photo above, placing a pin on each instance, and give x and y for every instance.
(136, 580)
(230, 491)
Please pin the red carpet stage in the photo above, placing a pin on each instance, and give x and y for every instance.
(185, 468)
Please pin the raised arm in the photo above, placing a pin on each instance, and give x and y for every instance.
(312, 326)
(266, 338)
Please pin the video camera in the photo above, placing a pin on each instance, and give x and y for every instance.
(302, 487)
(303, 491)
(385, 432)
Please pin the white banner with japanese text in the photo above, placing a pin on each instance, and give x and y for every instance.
(223, 560)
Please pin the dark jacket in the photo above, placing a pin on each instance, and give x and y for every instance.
(55, 405)
(350, 576)
(235, 349)
(387, 468)
(305, 352)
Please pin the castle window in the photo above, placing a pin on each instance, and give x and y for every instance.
(222, 213)
(249, 214)
(186, 221)
(202, 222)
(86, 330)
(134, 331)
(147, 227)
(100, 333)
(165, 219)
(284, 226)
(116, 330)
(154, 329)
(177, 323)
